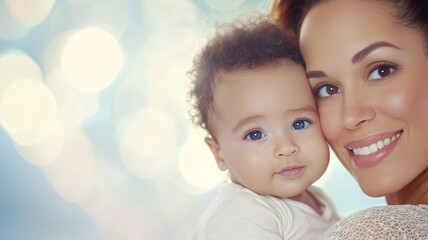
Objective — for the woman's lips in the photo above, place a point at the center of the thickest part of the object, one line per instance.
(291, 171)
(370, 151)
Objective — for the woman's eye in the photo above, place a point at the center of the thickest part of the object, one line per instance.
(327, 90)
(300, 124)
(255, 135)
(381, 71)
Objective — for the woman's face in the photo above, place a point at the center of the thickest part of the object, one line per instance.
(370, 75)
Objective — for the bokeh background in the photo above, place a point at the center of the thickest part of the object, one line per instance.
(95, 139)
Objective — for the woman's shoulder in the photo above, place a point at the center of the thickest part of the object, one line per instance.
(383, 222)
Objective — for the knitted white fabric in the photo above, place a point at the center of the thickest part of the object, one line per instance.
(383, 222)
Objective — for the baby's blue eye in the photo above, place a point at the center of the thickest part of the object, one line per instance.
(300, 124)
(255, 135)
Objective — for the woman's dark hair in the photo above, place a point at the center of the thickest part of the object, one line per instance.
(289, 14)
(246, 43)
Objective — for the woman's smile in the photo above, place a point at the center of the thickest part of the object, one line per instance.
(370, 151)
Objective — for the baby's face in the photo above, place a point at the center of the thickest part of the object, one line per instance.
(267, 129)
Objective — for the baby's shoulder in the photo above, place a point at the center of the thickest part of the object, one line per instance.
(241, 214)
(240, 199)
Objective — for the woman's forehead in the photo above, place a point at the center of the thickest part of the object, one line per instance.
(346, 29)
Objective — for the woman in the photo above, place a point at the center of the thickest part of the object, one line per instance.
(367, 62)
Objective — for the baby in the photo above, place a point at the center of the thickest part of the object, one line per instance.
(251, 94)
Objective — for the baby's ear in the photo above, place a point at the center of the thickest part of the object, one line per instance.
(215, 149)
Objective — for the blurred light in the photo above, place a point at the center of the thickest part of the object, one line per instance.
(175, 206)
(129, 222)
(91, 60)
(224, 5)
(74, 107)
(147, 142)
(112, 15)
(103, 203)
(14, 66)
(169, 83)
(53, 50)
(28, 111)
(29, 12)
(45, 151)
(197, 164)
(178, 208)
(78, 1)
(129, 225)
(10, 29)
(172, 50)
(141, 165)
(178, 12)
(149, 131)
(115, 206)
(72, 174)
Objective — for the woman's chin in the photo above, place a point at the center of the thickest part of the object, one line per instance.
(373, 193)
(377, 188)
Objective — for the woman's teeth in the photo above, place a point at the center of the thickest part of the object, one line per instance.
(375, 146)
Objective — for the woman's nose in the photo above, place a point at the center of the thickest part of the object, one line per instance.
(356, 111)
(286, 148)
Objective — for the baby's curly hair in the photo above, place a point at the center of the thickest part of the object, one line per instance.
(241, 44)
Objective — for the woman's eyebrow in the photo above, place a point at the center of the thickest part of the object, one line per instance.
(367, 50)
(360, 55)
(315, 74)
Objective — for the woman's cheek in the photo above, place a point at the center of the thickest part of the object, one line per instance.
(409, 97)
(407, 102)
(330, 123)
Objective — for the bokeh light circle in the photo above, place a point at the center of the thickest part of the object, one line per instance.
(45, 151)
(148, 142)
(74, 107)
(179, 12)
(28, 111)
(172, 50)
(29, 12)
(91, 60)
(16, 65)
(73, 173)
(197, 165)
